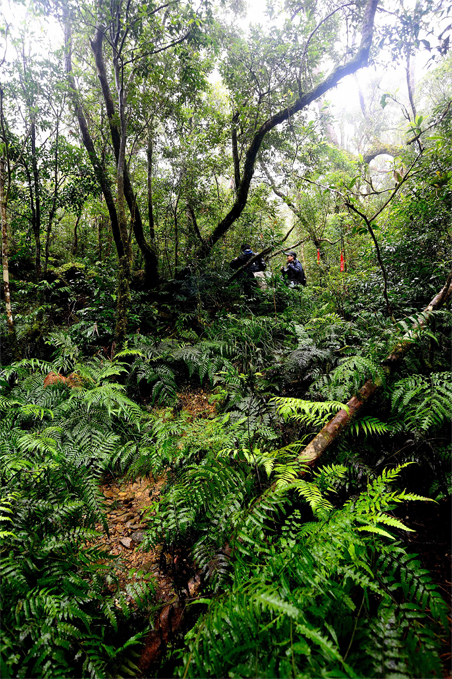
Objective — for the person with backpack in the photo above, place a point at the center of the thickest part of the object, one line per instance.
(245, 255)
(293, 271)
(250, 273)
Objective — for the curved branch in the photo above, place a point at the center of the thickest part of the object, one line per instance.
(349, 4)
(368, 223)
(291, 247)
(355, 63)
(235, 150)
(381, 151)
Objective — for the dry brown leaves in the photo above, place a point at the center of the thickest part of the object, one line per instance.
(127, 503)
(196, 403)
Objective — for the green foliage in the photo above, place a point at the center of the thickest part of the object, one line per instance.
(304, 571)
(348, 377)
(311, 412)
(310, 602)
(370, 426)
(423, 403)
(59, 612)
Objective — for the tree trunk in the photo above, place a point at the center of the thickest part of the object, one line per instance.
(88, 143)
(53, 209)
(123, 301)
(409, 72)
(118, 222)
(34, 223)
(5, 265)
(150, 198)
(75, 243)
(37, 201)
(235, 152)
(149, 254)
(192, 218)
(303, 101)
(99, 237)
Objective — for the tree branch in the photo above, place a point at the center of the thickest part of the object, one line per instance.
(330, 432)
(250, 261)
(355, 63)
(235, 151)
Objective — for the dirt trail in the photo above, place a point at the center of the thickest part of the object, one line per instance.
(128, 508)
(126, 504)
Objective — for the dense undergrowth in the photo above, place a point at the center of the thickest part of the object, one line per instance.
(304, 573)
(302, 576)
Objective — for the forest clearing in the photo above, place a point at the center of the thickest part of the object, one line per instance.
(225, 325)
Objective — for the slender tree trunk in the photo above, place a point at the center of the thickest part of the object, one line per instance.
(53, 209)
(34, 223)
(99, 238)
(176, 233)
(176, 242)
(75, 243)
(88, 143)
(5, 265)
(149, 254)
(37, 197)
(150, 197)
(117, 217)
(409, 71)
(123, 301)
(109, 240)
(192, 218)
(235, 152)
(122, 310)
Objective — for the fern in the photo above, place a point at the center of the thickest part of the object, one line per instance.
(207, 358)
(291, 608)
(66, 353)
(424, 403)
(314, 413)
(348, 377)
(59, 617)
(370, 426)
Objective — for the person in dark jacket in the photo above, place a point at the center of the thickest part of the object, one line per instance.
(247, 276)
(245, 255)
(293, 271)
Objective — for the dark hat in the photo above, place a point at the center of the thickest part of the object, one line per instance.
(291, 252)
(245, 246)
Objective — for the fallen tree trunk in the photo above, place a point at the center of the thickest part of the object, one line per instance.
(315, 449)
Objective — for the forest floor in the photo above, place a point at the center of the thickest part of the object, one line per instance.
(128, 503)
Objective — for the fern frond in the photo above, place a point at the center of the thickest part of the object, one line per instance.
(369, 425)
(310, 412)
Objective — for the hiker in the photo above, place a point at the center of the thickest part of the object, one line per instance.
(245, 255)
(293, 271)
(251, 273)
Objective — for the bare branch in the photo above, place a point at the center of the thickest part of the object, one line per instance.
(434, 124)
